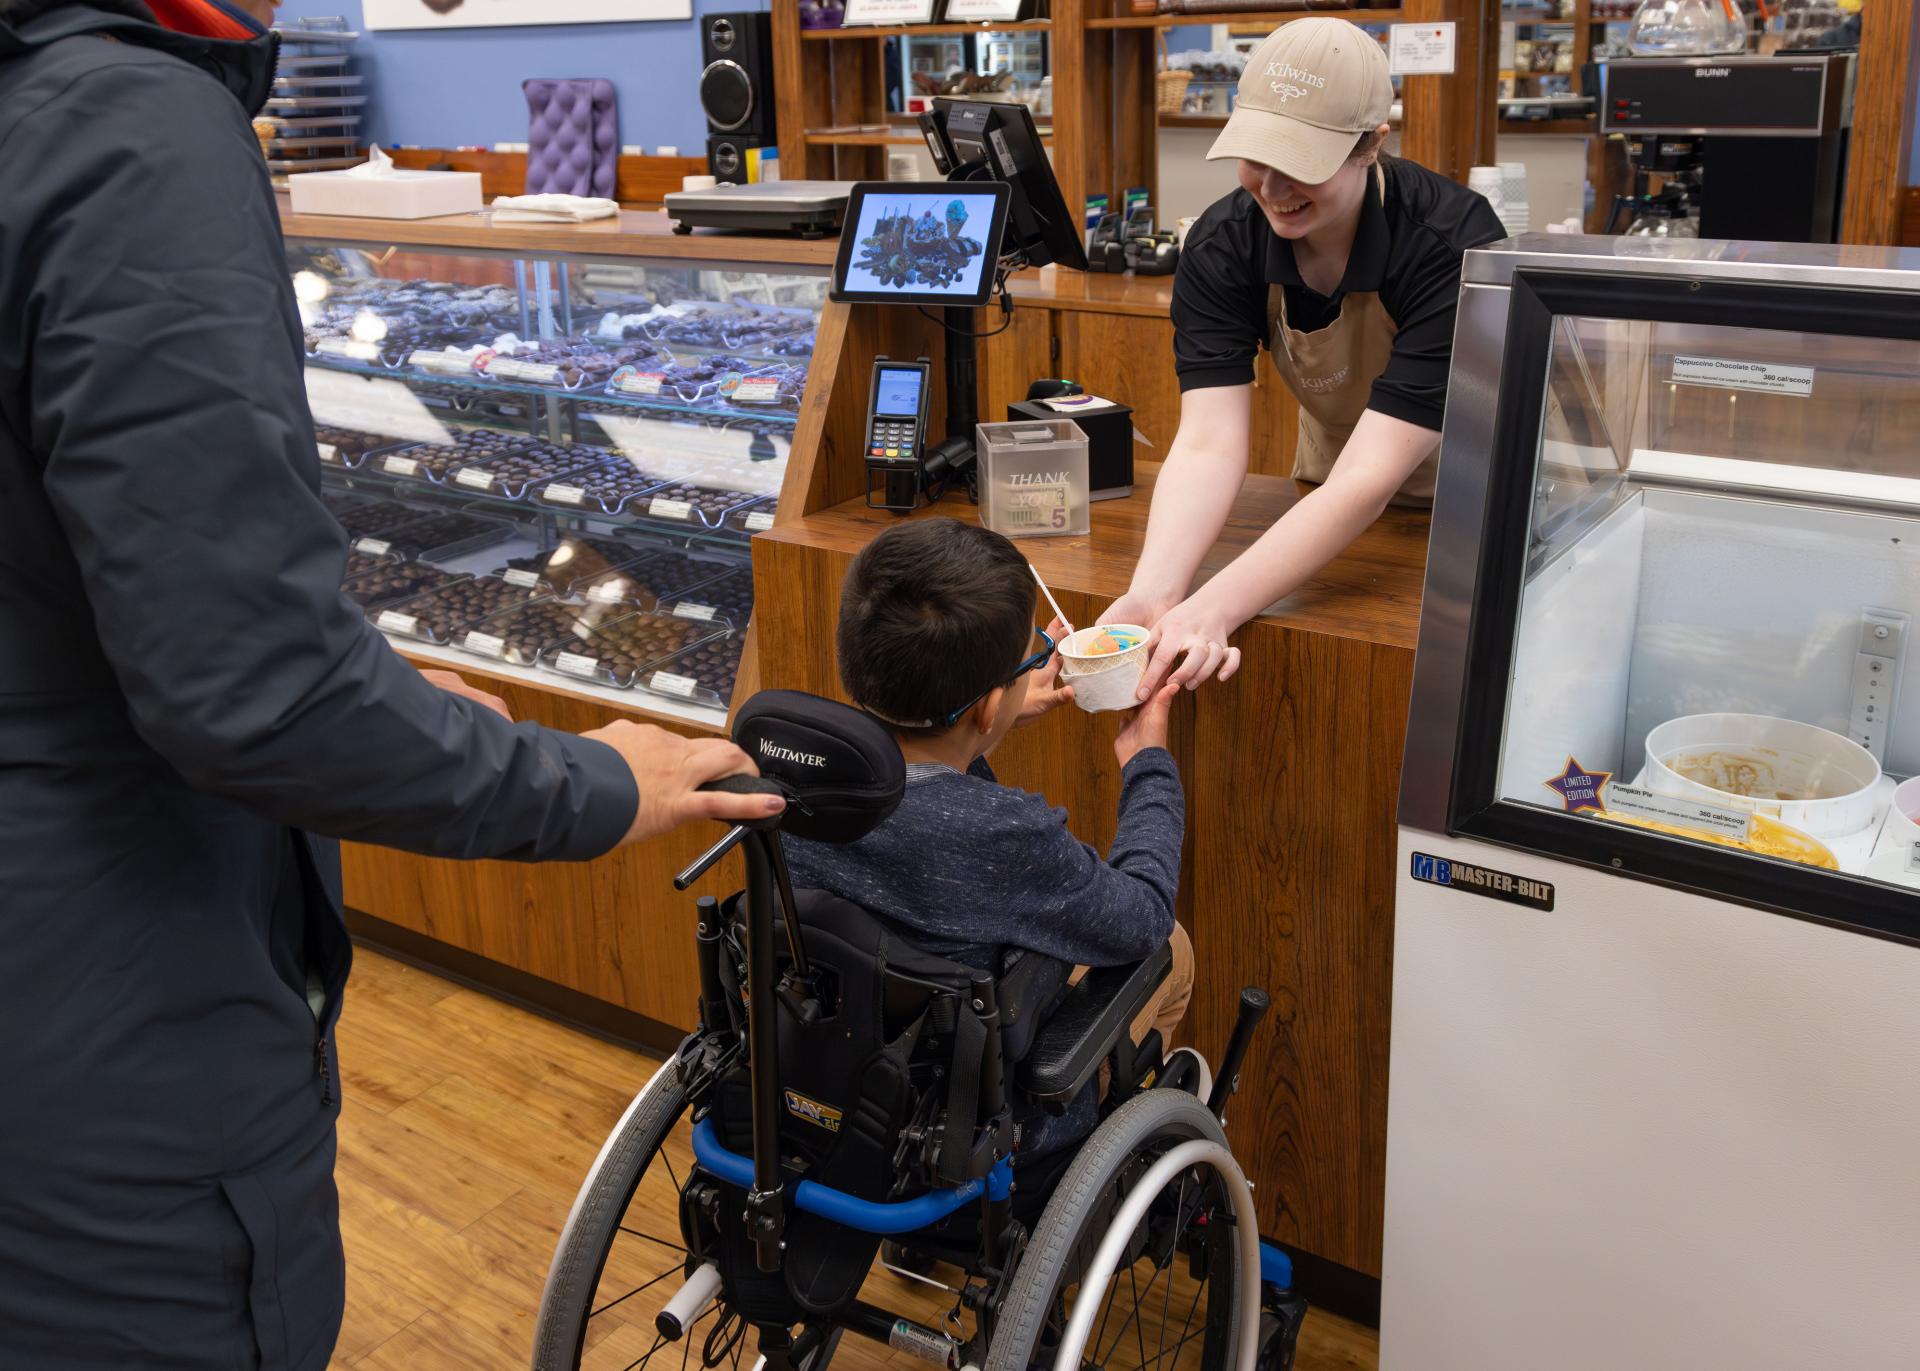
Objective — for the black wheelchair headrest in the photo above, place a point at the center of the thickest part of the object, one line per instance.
(841, 769)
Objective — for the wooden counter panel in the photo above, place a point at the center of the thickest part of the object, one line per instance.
(1295, 776)
(1093, 292)
(612, 928)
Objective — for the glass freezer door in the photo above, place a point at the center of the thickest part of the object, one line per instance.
(1700, 575)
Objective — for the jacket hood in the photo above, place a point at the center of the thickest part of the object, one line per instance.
(244, 66)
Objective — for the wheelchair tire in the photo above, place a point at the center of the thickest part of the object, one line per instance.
(585, 1242)
(1077, 1218)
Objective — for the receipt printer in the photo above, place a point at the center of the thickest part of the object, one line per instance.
(1109, 430)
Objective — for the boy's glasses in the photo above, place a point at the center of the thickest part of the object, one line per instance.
(952, 716)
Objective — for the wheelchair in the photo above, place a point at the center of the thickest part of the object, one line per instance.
(841, 1128)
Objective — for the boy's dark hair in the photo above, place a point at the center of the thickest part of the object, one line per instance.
(933, 613)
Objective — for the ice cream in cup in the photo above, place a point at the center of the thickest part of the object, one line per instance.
(1103, 665)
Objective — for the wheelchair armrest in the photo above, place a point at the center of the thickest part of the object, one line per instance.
(1025, 991)
(1078, 1035)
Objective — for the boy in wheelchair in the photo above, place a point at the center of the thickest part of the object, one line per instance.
(891, 1010)
(937, 640)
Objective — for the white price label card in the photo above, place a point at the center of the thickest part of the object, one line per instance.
(400, 466)
(564, 495)
(1419, 50)
(392, 621)
(1667, 809)
(643, 383)
(1913, 860)
(373, 547)
(507, 369)
(520, 576)
(669, 684)
(686, 609)
(607, 592)
(757, 390)
(329, 453)
(474, 477)
(1734, 375)
(350, 348)
(576, 665)
(760, 520)
(669, 509)
(484, 644)
(441, 363)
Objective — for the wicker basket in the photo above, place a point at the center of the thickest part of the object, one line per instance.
(1170, 87)
(266, 131)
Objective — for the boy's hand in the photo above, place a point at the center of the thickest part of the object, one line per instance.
(1148, 726)
(1045, 692)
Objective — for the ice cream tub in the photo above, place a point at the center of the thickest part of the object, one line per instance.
(1896, 856)
(1807, 777)
(1103, 665)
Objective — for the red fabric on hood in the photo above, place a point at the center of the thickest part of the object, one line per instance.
(201, 19)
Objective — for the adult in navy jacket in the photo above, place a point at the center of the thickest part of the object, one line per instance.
(191, 714)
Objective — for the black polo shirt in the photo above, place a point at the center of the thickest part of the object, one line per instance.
(1407, 248)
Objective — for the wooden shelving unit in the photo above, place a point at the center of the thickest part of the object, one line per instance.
(922, 30)
(1106, 128)
(1271, 18)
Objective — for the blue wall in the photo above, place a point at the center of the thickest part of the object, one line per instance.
(453, 87)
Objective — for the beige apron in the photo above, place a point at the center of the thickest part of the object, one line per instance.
(1331, 373)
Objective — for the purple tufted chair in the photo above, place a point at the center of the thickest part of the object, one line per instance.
(573, 136)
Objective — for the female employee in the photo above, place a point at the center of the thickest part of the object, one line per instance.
(1345, 265)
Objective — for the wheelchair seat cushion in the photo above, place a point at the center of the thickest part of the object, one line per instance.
(841, 769)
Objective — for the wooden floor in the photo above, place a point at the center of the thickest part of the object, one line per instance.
(467, 1127)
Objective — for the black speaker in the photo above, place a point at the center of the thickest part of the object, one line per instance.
(736, 85)
(736, 159)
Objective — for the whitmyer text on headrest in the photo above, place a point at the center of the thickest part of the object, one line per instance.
(774, 752)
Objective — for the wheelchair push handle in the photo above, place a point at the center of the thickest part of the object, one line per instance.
(1254, 1003)
(733, 785)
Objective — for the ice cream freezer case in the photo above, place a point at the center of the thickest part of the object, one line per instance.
(1656, 1017)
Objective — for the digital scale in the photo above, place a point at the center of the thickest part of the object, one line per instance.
(809, 209)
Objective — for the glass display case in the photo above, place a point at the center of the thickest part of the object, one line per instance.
(1675, 571)
(555, 463)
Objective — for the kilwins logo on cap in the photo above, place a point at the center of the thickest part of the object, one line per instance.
(1285, 87)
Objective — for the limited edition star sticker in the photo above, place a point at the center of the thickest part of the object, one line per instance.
(1579, 788)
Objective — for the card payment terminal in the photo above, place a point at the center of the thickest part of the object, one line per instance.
(896, 432)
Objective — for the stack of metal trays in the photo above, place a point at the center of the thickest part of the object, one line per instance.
(315, 107)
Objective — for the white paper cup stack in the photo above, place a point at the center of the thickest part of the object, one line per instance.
(1491, 182)
(1513, 197)
(1107, 681)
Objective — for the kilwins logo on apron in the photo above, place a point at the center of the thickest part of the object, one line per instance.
(1322, 385)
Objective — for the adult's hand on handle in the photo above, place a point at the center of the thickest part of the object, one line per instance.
(669, 771)
(1189, 646)
(455, 685)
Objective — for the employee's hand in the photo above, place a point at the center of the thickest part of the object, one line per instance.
(1189, 647)
(1136, 608)
(669, 771)
(454, 685)
(1045, 693)
(1148, 726)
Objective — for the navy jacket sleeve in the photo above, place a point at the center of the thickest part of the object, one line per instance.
(166, 399)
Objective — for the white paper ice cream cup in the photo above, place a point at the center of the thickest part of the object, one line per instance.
(1105, 682)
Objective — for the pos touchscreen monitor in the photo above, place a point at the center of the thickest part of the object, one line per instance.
(921, 242)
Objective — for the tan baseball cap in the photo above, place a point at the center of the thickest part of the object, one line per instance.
(1310, 89)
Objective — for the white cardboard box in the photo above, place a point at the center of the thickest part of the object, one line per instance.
(399, 195)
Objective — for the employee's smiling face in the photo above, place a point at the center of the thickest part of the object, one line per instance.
(1296, 208)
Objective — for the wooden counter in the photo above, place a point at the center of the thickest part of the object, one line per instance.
(1292, 772)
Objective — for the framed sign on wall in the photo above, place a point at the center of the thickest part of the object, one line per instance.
(471, 14)
(864, 12)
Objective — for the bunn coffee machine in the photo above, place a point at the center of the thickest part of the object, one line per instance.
(1757, 145)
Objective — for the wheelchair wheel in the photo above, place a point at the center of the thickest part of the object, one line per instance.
(622, 1254)
(1176, 1297)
